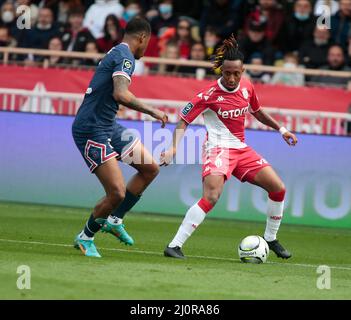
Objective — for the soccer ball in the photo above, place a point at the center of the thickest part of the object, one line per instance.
(253, 249)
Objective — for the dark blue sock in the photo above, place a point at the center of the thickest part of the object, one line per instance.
(128, 203)
(91, 227)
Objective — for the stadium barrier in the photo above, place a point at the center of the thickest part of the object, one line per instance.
(42, 101)
(7, 51)
(43, 165)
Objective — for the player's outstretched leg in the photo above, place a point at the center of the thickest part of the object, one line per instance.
(111, 178)
(270, 181)
(147, 168)
(213, 186)
(193, 218)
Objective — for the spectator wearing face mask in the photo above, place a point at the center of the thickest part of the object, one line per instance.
(132, 9)
(290, 79)
(96, 15)
(165, 19)
(299, 27)
(313, 53)
(113, 34)
(8, 16)
(336, 62)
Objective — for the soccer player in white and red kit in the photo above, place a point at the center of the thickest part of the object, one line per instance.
(224, 106)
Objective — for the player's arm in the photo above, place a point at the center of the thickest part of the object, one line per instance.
(187, 115)
(123, 96)
(178, 133)
(267, 120)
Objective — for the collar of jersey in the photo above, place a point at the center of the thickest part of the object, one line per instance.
(226, 90)
(126, 44)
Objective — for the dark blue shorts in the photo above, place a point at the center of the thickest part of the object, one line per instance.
(101, 146)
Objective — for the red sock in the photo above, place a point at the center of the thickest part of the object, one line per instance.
(205, 205)
(277, 196)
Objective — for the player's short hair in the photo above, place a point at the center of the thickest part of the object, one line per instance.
(138, 25)
(229, 50)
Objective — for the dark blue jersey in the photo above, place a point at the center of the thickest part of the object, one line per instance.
(98, 110)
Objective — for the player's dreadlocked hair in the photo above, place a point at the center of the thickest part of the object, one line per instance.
(229, 50)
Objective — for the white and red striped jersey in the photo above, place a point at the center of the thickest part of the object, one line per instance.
(224, 113)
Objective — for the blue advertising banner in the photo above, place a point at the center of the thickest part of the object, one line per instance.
(39, 163)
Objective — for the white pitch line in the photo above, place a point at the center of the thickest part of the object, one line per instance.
(160, 254)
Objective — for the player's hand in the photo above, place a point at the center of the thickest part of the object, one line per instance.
(161, 116)
(290, 138)
(166, 157)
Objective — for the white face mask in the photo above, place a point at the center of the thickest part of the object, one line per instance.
(210, 43)
(43, 27)
(166, 9)
(289, 65)
(320, 42)
(7, 16)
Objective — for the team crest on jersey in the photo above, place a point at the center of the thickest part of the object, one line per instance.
(187, 108)
(127, 65)
(245, 93)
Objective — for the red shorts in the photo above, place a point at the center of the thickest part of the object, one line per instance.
(241, 163)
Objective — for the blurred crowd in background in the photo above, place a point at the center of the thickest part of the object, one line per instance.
(269, 32)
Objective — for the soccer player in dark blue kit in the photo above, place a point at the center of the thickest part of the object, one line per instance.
(103, 141)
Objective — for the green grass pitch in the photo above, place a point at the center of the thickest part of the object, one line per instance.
(41, 238)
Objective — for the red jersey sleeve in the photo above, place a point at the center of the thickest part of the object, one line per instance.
(193, 109)
(254, 103)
